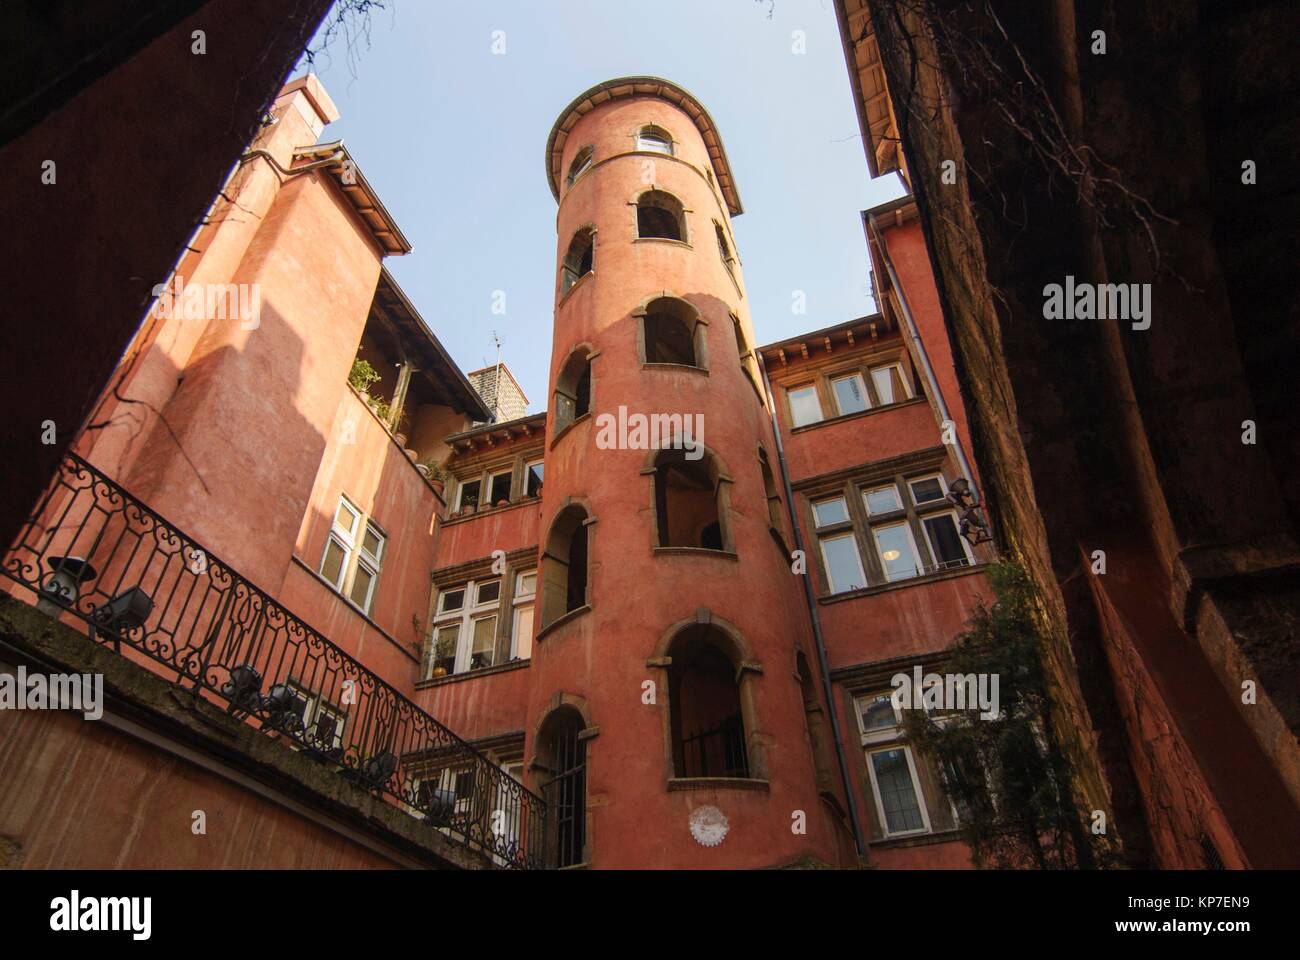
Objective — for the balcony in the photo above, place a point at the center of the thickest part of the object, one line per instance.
(138, 584)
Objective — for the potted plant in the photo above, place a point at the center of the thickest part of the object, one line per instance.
(432, 471)
(362, 376)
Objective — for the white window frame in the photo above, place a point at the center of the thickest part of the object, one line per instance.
(830, 580)
(789, 395)
(923, 504)
(576, 170)
(314, 705)
(471, 612)
(916, 554)
(929, 541)
(491, 483)
(460, 492)
(528, 473)
(898, 498)
(345, 539)
(659, 134)
(817, 520)
(518, 604)
(862, 389)
(371, 562)
(916, 791)
(902, 379)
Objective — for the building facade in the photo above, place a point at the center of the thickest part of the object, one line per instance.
(652, 626)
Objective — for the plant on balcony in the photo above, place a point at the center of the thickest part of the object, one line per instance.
(362, 376)
(1010, 780)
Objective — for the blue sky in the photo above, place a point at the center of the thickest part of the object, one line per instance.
(452, 137)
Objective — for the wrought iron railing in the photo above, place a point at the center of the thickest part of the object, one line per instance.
(159, 598)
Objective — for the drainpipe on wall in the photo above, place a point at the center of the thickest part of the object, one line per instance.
(822, 661)
(919, 350)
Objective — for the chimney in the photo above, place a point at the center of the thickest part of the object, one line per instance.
(499, 391)
(309, 100)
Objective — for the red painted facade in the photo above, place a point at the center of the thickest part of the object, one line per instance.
(623, 628)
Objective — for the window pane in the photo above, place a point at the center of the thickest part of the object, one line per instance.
(882, 500)
(850, 396)
(926, 490)
(372, 542)
(804, 406)
(889, 384)
(842, 565)
(535, 476)
(489, 592)
(830, 511)
(896, 553)
(897, 796)
(526, 584)
(469, 494)
(361, 587)
(655, 143)
(877, 712)
(524, 632)
(444, 646)
(452, 600)
(945, 541)
(485, 641)
(500, 487)
(346, 518)
(331, 567)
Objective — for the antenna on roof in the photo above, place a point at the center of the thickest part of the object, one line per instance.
(496, 381)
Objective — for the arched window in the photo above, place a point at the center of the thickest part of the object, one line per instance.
(814, 722)
(573, 390)
(562, 763)
(564, 565)
(672, 332)
(578, 262)
(660, 215)
(724, 250)
(581, 163)
(772, 493)
(706, 720)
(689, 502)
(653, 139)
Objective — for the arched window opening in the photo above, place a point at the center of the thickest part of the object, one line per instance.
(772, 492)
(672, 333)
(581, 163)
(707, 720)
(564, 565)
(686, 502)
(578, 262)
(654, 139)
(814, 722)
(723, 248)
(660, 215)
(573, 390)
(562, 763)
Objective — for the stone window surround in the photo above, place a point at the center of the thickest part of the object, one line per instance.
(852, 486)
(820, 378)
(748, 670)
(450, 578)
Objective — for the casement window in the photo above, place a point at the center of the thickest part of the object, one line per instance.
(839, 549)
(580, 165)
(500, 488)
(533, 475)
(897, 551)
(805, 407)
(724, 249)
(465, 629)
(652, 139)
(850, 394)
(891, 386)
(310, 717)
(354, 553)
(892, 532)
(891, 767)
(468, 494)
(880, 500)
(580, 259)
(524, 603)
